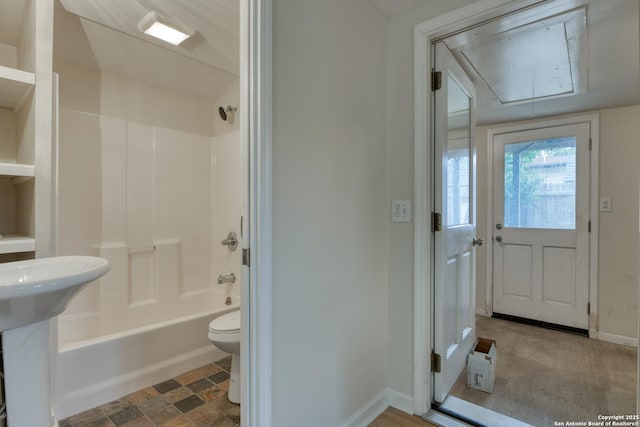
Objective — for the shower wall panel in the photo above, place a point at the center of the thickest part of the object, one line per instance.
(182, 202)
(226, 204)
(155, 202)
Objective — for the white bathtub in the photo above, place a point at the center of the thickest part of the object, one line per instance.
(97, 371)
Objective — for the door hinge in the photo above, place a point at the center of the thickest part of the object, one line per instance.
(246, 257)
(436, 80)
(589, 227)
(435, 362)
(590, 143)
(436, 221)
(588, 308)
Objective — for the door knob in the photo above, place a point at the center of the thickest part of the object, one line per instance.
(478, 242)
(499, 226)
(498, 239)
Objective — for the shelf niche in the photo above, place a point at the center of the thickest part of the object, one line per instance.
(16, 215)
(16, 86)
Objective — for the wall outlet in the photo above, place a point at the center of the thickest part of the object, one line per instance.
(605, 204)
(401, 211)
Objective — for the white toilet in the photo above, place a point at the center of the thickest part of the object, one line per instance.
(224, 333)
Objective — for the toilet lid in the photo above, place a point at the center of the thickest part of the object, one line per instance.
(226, 324)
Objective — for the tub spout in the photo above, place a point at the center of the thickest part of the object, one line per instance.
(229, 278)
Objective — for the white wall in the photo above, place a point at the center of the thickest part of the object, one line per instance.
(329, 210)
(400, 186)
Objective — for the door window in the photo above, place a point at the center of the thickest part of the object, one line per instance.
(458, 186)
(458, 154)
(540, 184)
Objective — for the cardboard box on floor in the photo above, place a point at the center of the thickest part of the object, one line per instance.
(481, 365)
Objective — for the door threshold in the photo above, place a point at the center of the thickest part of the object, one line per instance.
(473, 415)
(444, 420)
(541, 324)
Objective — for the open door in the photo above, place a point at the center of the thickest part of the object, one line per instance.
(453, 221)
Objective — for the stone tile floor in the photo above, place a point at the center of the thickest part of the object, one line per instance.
(196, 398)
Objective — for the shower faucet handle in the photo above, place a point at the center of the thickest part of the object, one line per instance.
(231, 241)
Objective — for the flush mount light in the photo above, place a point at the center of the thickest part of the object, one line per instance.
(161, 27)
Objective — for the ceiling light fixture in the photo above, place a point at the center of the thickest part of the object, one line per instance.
(161, 27)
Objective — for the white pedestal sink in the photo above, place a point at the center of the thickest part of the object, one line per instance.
(31, 292)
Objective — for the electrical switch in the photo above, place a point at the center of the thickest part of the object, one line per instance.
(401, 211)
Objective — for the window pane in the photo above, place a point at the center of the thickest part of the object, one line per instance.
(458, 187)
(458, 154)
(540, 184)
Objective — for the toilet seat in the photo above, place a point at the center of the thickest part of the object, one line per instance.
(226, 324)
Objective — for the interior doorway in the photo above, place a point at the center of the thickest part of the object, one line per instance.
(506, 107)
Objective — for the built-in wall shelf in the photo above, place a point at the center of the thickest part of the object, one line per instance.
(17, 170)
(15, 87)
(12, 243)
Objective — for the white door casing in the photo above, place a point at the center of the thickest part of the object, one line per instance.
(454, 257)
(255, 133)
(540, 228)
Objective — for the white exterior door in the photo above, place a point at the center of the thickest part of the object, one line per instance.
(454, 236)
(541, 220)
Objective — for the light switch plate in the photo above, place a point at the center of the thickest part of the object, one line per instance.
(401, 211)
(605, 204)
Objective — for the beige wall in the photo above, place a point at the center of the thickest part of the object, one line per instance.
(618, 251)
(329, 210)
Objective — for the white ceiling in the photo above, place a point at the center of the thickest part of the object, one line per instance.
(545, 58)
(103, 35)
(217, 24)
(605, 64)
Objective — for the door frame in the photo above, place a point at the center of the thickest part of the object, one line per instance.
(255, 136)
(424, 35)
(593, 119)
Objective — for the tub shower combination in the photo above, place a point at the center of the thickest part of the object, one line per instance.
(157, 203)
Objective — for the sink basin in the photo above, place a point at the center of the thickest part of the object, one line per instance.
(37, 289)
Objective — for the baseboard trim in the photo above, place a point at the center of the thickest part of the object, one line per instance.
(73, 401)
(369, 412)
(481, 312)
(617, 339)
(400, 401)
(376, 406)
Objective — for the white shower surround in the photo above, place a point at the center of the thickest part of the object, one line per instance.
(156, 202)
